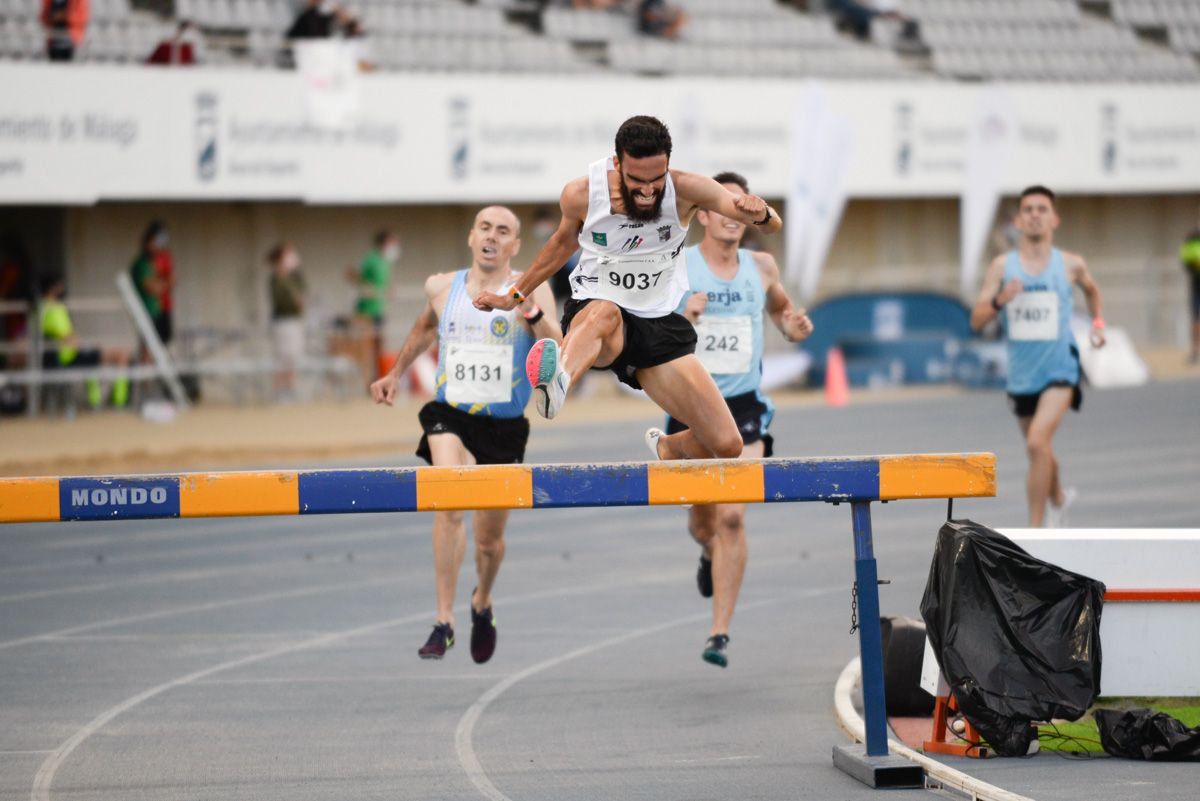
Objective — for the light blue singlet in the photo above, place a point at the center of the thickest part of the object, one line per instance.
(462, 323)
(1047, 353)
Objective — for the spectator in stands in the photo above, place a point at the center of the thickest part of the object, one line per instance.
(184, 47)
(1189, 256)
(855, 16)
(65, 21)
(288, 295)
(318, 20)
(372, 278)
(153, 275)
(657, 18)
(599, 5)
(62, 345)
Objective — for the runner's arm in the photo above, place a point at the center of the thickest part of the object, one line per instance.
(547, 326)
(791, 321)
(984, 310)
(421, 336)
(1082, 278)
(703, 192)
(554, 254)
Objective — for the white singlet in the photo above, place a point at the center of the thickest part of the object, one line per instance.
(637, 265)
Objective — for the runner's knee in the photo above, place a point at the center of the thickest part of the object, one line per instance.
(731, 520)
(450, 518)
(1038, 446)
(727, 444)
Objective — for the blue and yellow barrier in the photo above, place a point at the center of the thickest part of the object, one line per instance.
(425, 489)
(858, 481)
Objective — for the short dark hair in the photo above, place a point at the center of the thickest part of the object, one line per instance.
(152, 231)
(276, 253)
(1037, 189)
(642, 137)
(730, 177)
(382, 236)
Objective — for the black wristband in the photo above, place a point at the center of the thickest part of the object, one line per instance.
(766, 219)
(534, 319)
(995, 303)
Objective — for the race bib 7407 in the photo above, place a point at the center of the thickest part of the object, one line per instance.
(1033, 317)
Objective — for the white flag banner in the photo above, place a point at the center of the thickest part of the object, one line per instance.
(806, 109)
(328, 69)
(990, 141)
(834, 150)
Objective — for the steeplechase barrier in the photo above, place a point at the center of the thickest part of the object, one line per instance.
(857, 481)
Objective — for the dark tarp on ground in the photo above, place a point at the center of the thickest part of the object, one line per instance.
(1017, 638)
(1146, 734)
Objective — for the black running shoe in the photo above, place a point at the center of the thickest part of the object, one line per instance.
(483, 635)
(704, 577)
(714, 650)
(439, 642)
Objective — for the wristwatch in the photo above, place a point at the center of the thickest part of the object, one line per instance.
(766, 219)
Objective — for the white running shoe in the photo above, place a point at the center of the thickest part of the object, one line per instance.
(550, 382)
(1056, 516)
(652, 437)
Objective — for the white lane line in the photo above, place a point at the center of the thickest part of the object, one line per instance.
(43, 751)
(852, 724)
(185, 610)
(465, 733)
(45, 775)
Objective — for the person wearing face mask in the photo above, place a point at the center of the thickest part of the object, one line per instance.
(372, 278)
(478, 416)
(153, 274)
(288, 294)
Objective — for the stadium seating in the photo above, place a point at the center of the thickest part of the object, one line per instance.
(1054, 40)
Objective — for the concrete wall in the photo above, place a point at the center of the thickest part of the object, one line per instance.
(1131, 243)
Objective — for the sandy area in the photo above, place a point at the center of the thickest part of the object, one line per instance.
(215, 436)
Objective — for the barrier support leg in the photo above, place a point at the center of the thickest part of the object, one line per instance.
(871, 764)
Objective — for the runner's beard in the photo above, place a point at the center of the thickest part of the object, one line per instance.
(637, 213)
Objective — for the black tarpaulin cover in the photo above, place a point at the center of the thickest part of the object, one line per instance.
(1146, 734)
(1018, 639)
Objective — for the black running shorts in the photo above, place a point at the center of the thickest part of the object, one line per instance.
(491, 440)
(1026, 405)
(649, 341)
(752, 417)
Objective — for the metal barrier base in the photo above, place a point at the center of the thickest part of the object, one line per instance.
(880, 772)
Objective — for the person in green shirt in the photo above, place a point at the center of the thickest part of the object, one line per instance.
(62, 349)
(372, 278)
(1189, 256)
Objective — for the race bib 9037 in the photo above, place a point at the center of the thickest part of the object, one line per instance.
(638, 282)
(478, 373)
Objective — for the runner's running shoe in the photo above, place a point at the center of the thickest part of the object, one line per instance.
(483, 635)
(550, 382)
(652, 437)
(714, 650)
(1056, 516)
(439, 642)
(704, 577)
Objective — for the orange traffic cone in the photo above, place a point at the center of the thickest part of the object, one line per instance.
(837, 388)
